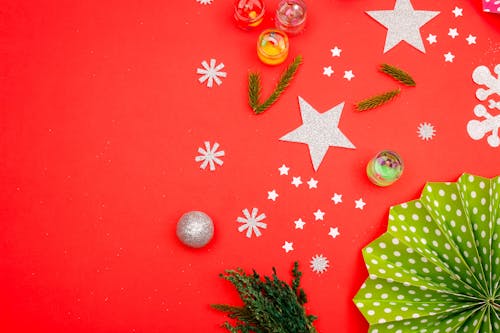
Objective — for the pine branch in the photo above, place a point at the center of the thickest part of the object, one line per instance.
(377, 100)
(398, 74)
(270, 305)
(255, 88)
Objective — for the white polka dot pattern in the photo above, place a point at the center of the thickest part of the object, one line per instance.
(437, 267)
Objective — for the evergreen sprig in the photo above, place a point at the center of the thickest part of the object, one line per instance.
(377, 100)
(270, 305)
(398, 74)
(255, 87)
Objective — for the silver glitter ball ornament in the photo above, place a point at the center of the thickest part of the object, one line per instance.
(195, 229)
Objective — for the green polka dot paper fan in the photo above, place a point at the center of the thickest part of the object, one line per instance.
(437, 267)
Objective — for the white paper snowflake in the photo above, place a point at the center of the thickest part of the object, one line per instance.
(204, 2)
(252, 222)
(489, 121)
(209, 156)
(211, 73)
(319, 264)
(426, 131)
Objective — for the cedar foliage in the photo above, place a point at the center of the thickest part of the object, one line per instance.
(270, 304)
(255, 87)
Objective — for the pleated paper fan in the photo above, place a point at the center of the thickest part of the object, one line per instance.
(437, 267)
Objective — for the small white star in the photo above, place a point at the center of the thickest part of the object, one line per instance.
(360, 203)
(348, 75)
(337, 198)
(296, 181)
(299, 224)
(272, 195)
(328, 71)
(336, 52)
(283, 170)
(318, 215)
(448, 57)
(313, 183)
(334, 232)
(432, 39)
(457, 11)
(453, 32)
(288, 246)
(471, 39)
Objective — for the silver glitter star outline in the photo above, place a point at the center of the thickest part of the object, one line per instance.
(403, 24)
(319, 131)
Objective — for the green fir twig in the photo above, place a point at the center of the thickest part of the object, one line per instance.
(398, 74)
(270, 305)
(377, 100)
(255, 87)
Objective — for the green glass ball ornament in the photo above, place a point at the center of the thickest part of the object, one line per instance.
(195, 229)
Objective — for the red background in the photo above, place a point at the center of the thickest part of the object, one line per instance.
(101, 116)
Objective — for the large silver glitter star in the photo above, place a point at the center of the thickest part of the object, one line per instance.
(319, 131)
(403, 23)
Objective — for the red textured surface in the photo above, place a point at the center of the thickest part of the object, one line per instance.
(101, 118)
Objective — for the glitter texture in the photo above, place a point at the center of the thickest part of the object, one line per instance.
(403, 23)
(319, 131)
(195, 229)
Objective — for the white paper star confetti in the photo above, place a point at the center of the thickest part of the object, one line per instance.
(426, 131)
(252, 222)
(448, 57)
(452, 32)
(403, 24)
(319, 215)
(209, 156)
(204, 2)
(348, 75)
(296, 181)
(337, 198)
(313, 183)
(336, 52)
(327, 71)
(432, 39)
(272, 195)
(288, 246)
(319, 264)
(299, 224)
(211, 73)
(319, 131)
(457, 12)
(283, 170)
(334, 232)
(360, 204)
(471, 39)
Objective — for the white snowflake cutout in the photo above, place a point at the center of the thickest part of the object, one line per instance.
(476, 128)
(426, 131)
(482, 76)
(204, 2)
(211, 73)
(319, 264)
(209, 156)
(251, 222)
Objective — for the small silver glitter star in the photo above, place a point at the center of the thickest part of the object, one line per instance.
(403, 23)
(319, 131)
